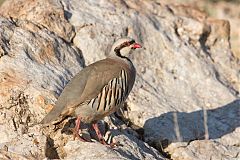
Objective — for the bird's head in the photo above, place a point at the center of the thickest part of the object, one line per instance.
(124, 46)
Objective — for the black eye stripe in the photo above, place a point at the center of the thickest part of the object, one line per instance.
(125, 44)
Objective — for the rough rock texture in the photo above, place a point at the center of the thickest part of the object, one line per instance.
(49, 15)
(35, 64)
(186, 95)
(223, 9)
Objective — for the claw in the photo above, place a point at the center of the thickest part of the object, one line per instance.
(95, 127)
(76, 135)
(99, 135)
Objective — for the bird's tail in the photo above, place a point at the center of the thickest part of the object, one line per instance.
(52, 117)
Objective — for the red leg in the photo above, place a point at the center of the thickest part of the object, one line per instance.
(100, 137)
(76, 130)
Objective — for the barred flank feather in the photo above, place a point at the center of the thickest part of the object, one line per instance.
(113, 94)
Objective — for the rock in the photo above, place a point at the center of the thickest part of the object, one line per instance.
(204, 149)
(129, 148)
(207, 124)
(51, 18)
(35, 65)
(225, 10)
(186, 93)
(83, 150)
(182, 71)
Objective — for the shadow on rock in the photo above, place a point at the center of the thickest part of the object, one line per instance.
(51, 151)
(124, 150)
(186, 127)
(128, 138)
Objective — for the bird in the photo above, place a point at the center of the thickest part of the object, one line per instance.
(98, 90)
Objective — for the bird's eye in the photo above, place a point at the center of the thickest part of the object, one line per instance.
(128, 43)
(132, 41)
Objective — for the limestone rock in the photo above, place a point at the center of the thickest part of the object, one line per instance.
(186, 66)
(35, 65)
(186, 93)
(204, 149)
(45, 14)
(129, 148)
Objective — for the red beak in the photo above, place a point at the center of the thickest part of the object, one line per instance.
(136, 45)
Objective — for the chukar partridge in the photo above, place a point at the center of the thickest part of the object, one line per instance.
(97, 90)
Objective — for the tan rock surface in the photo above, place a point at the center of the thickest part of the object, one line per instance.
(221, 9)
(187, 88)
(45, 14)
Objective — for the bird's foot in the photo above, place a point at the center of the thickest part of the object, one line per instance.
(111, 145)
(101, 139)
(114, 144)
(76, 135)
